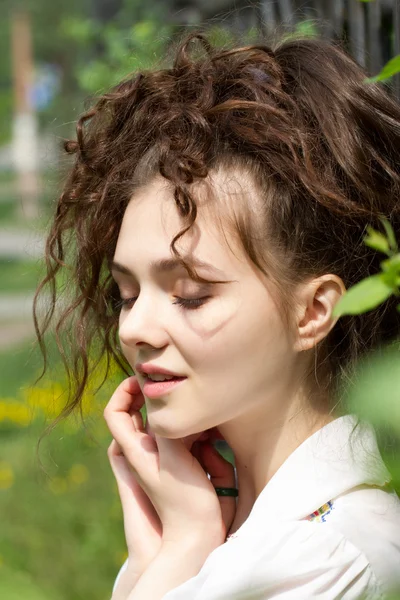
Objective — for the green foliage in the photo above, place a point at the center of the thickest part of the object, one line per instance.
(15, 585)
(63, 536)
(306, 28)
(222, 37)
(6, 110)
(364, 296)
(125, 50)
(391, 68)
(20, 276)
(376, 395)
(377, 240)
(372, 291)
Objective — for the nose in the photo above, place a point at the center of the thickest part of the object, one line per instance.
(143, 323)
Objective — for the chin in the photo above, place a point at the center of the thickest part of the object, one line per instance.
(170, 433)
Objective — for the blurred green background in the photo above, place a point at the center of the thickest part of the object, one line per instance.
(61, 534)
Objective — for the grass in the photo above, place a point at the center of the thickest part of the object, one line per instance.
(8, 211)
(10, 201)
(18, 366)
(15, 585)
(19, 276)
(63, 537)
(10, 216)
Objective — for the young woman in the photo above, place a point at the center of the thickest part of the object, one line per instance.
(215, 213)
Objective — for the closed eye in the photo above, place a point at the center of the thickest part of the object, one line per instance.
(187, 303)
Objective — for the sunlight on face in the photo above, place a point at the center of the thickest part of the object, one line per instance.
(230, 342)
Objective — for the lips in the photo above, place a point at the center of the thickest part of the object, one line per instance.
(149, 369)
(156, 389)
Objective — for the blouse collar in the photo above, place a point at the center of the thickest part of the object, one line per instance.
(332, 461)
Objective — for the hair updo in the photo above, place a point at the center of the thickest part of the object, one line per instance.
(321, 146)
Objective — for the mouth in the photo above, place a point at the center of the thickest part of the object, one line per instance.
(154, 389)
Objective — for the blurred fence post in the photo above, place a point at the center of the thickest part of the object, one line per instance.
(24, 144)
(396, 30)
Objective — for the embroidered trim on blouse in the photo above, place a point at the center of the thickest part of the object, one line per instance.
(321, 513)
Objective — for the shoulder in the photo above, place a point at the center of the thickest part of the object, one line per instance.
(348, 549)
(292, 560)
(305, 559)
(369, 518)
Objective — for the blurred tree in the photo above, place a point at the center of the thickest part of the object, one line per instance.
(6, 98)
(50, 46)
(134, 39)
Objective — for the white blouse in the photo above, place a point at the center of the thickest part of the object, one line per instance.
(326, 526)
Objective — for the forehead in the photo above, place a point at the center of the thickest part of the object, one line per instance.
(151, 221)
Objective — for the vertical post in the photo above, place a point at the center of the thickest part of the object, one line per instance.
(286, 12)
(335, 13)
(357, 31)
(396, 31)
(268, 17)
(25, 147)
(375, 60)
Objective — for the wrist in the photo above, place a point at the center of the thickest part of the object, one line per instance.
(174, 564)
(127, 579)
(190, 548)
(201, 543)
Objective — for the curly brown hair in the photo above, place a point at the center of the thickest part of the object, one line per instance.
(321, 146)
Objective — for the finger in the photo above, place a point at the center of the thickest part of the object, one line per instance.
(222, 474)
(127, 396)
(137, 420)
(221, 471)
(126, 429)
(123, 404)
(195, 450)
(139, 514)
(215, 434)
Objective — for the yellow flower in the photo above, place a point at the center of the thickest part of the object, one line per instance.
(58, 485)
(50, 400)
(16, 412)
(78, 474)
(6, 476)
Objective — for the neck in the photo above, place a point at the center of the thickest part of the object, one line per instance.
(259, 457)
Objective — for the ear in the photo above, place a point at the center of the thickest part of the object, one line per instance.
(316, 301)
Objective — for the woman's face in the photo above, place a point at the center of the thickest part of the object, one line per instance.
(234, 348)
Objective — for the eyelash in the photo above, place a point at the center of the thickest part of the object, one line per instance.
(186, 303)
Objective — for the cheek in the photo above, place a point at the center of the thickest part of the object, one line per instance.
(249, 341)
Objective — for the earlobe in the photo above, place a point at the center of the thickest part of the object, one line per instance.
(317, 300)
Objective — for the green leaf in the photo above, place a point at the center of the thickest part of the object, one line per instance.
(364, 296)
(377, 240)
(78, 29)
(375, 395)
(392, 263)
(391, 68)
(390, 234)
(305, 28)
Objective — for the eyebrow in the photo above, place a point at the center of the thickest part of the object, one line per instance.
(164, 265)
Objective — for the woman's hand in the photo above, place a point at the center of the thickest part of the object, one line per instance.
(142, 526)
(166, 494)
